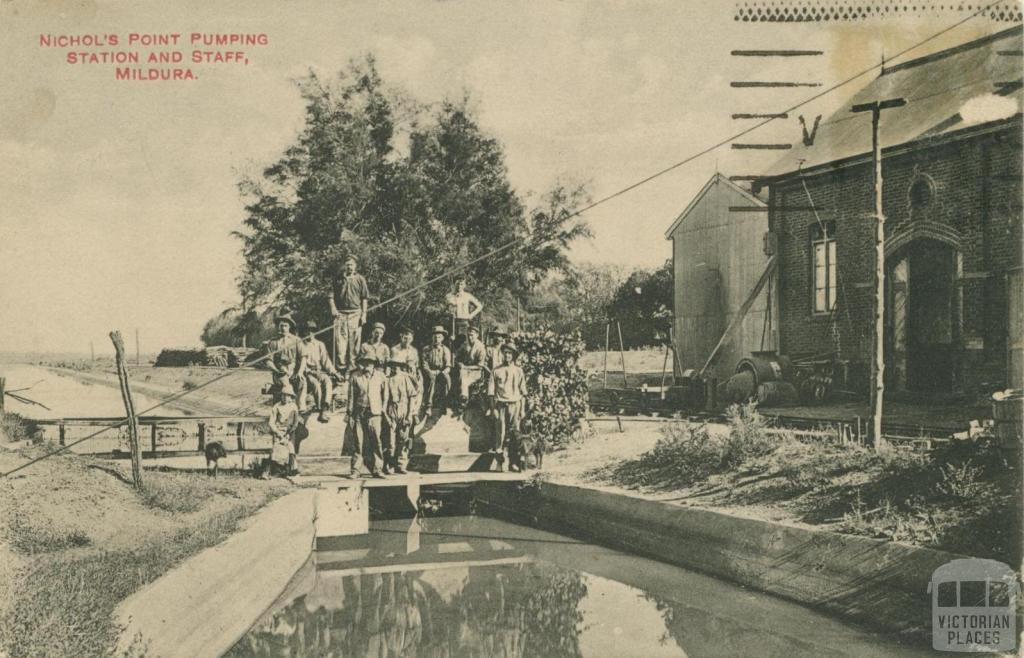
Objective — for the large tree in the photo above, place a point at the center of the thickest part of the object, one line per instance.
(412, 191)
(643, 306)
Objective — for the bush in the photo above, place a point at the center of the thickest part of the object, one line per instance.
(176, 492)
(15, 428)
(556, 385)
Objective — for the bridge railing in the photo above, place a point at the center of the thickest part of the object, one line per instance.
(162, 436)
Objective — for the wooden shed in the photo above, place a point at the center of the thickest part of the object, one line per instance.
(718, 255)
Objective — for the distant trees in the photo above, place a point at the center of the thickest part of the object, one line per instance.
(643, 305)
(412, 191)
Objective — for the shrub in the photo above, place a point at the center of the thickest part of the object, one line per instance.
(961, 482)
(176, 492)
(556, 385)
(747, 437)
(15, 428)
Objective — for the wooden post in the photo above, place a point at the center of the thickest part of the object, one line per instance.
(129, 407)
(878, 362)
(152, 439)
(622, 354)
(62, 434)
(664, 366)
(607, 338)
(138, 353)
(240, 436)
(202, 436)
(3, 385)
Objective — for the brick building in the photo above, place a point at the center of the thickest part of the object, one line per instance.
(952, 199)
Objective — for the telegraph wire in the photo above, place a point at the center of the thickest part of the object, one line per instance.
(515, 241)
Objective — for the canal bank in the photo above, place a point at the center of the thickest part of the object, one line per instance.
(269, 567)
(879, 584)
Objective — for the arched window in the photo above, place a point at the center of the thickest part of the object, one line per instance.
(921, 193)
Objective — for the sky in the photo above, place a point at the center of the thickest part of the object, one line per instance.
(119, 197)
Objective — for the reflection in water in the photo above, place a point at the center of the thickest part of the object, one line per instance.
(454, 595)
(472, 586)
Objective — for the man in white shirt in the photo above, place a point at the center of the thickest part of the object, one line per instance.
(465, 307)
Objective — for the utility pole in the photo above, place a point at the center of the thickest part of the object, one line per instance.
(138, 357)
(878, 360)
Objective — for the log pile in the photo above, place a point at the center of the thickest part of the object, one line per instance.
(217, 355)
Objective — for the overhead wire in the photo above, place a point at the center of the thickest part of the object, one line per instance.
(515, 241)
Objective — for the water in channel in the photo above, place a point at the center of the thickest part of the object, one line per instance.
(473, 586)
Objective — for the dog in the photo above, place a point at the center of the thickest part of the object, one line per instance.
(531, 444)
(214, 452)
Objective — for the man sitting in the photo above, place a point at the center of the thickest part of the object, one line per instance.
(470, 361)
(319, 371)
(286, 359)
(437, 364)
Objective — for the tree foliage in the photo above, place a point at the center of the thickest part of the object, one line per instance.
(412, 191)
(643, 306)
(556, 385)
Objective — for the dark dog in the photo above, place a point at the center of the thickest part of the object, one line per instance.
(214, 452)
(531, 443)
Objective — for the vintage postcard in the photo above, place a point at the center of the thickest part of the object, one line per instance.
(476, 328)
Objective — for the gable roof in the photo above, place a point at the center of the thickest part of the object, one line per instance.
(713, 181)
(940, 89)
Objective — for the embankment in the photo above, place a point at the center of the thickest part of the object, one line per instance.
(880, 584)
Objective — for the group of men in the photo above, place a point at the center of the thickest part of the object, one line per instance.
(391, 388)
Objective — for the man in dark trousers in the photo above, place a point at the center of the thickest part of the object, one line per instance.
(509, 407)
(349, 300)
(319, 371)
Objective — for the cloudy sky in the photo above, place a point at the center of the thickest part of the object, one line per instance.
(119, 196)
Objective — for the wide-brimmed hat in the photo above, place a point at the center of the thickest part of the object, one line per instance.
(474, 328)
(438, 329)
(510, 348)
(351, 259)
(285, 317)
(378, 325)
(366, 358)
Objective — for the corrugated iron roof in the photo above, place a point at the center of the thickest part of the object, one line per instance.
(945, 92)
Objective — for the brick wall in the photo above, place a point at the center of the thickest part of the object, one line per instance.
(977, 192)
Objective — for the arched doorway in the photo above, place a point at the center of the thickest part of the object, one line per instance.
(922, 316)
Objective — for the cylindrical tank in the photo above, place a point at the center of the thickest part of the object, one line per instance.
(767, 367)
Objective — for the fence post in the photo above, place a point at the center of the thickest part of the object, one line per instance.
(129, 407)
(61, 437)
(3, 385)
(152, 439)
(202, 436)
(240, 435)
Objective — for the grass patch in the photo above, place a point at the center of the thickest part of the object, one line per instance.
(64, 605)
(962, 497)
(177, 492)
(15, 428)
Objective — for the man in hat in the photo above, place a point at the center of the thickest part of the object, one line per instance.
(367, 402)
(286, 358)
(470, 361)
(375, 347)
(509, 406)
(496, 337)
(400, 414)
(283, 422)
(319, 371)
(464, 308)
(437, 363)
(349, 299)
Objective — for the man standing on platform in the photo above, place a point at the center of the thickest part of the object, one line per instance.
(319, 371)
(437, 364)
(402, 394)
(286, 359)
(367, 402)
(509, 406)
(376, 348)
(464, 307)
(349, 300)
(470, 361)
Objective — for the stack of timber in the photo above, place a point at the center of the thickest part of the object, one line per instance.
(217, 355)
